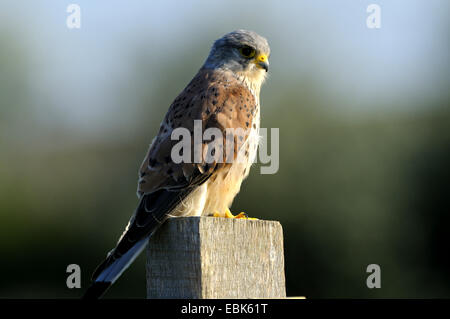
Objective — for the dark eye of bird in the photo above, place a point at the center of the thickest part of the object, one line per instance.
(248, 52)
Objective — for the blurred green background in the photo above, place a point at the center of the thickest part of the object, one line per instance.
(364, 122)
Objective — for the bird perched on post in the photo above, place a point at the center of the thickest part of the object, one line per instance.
(222, 97)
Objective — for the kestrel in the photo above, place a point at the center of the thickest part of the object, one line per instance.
(224, 96)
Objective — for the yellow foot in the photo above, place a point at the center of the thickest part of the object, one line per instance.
(228, 214)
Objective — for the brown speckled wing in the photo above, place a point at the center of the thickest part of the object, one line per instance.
(220, 101)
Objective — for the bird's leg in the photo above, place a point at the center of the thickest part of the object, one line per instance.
(228, 214)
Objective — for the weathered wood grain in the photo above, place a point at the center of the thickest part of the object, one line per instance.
(207, 257)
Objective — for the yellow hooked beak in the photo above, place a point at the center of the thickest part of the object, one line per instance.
(262, 62)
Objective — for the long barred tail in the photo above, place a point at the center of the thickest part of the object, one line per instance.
(110, 270)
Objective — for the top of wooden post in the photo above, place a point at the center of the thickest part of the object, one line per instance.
(208, 257)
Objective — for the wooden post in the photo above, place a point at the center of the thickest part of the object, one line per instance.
(211, 257)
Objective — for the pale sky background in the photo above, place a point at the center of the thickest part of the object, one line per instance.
(83, 72)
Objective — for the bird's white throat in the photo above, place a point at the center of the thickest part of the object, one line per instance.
(253, 80)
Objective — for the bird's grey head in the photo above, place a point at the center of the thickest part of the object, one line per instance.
(243, 52)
